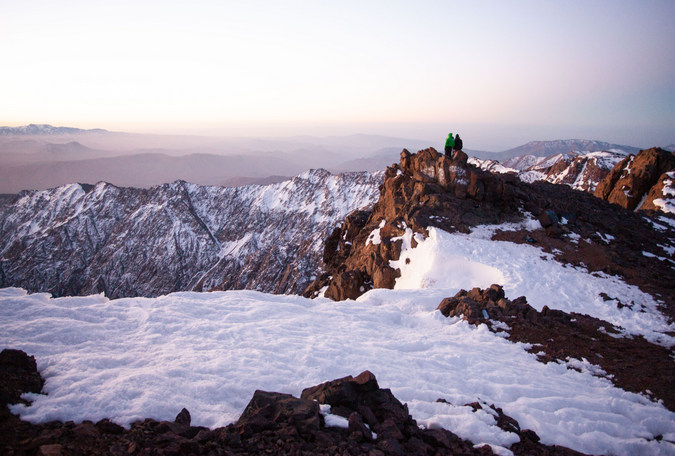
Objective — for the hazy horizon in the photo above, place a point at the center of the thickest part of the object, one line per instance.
(487, 138)
(502, 74)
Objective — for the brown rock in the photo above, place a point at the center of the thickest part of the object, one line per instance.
(632, 179)
(347, 285)
(657, 192)
(266, 410)
(50, 450)
(18, 375)
(385, 277)
(358, 429)
(183, 418)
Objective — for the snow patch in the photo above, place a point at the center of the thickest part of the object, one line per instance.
(374, 236)
(333, 420)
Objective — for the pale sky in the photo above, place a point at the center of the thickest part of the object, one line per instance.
(505, 72)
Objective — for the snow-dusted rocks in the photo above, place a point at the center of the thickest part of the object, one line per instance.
(641, 182)
(564, 146)
(581, 170)
(42, 129)
(145, 242)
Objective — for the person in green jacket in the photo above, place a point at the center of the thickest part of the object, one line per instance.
(449, 145)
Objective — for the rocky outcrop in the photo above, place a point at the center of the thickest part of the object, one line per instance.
(631, 363)
(429, 189)
(19, 375)
(662, 195)
(79, 240)
(375, 423)
(425, 189)
(632, 180)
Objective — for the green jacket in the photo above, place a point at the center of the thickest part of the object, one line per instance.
(450, 142)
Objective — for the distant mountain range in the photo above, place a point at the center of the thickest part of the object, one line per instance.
(43, 156)
(44, 129)
(548, 148)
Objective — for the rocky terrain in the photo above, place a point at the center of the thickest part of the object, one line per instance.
(428, 189)
(351, 415)
(641, 182)
(83, 239)
(556, 336)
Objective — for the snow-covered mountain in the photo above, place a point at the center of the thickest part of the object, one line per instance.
(565, 146)
(43, 129)
(581, 170)
(81, 239)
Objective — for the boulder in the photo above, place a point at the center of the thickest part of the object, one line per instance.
(347, 285)
(267, 410)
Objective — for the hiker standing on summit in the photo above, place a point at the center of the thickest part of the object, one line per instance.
(449, 145)
(458, 142)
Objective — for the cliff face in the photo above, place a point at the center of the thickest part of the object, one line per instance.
(638, 180)
(79, 239)
(429, 189)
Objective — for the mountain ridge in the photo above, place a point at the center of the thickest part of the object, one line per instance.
(45, 129)
(178, 236)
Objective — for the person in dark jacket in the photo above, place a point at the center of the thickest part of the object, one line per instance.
(458, 142)
(449, 145)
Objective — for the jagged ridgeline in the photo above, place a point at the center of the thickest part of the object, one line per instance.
(82, 239)
(428, 189)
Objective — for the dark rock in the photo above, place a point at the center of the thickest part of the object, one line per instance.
(18, 375)
(183, 418)
(108, 427)
(358, 429)
(51, 450)
(347, 285)
(268, 410)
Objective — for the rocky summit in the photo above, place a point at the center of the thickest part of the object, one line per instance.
(428, 189)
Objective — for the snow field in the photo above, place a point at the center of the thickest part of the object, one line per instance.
(449, 261)
(133, 358)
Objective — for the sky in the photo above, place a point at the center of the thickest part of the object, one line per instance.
(502, 72)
